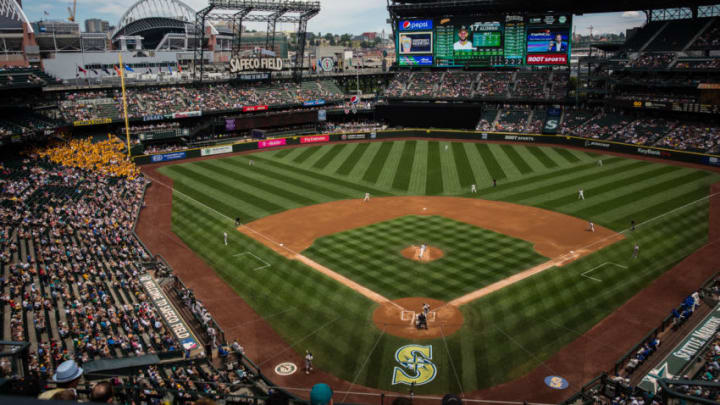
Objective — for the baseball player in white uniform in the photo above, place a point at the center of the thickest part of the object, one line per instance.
(308, 361)
(473, 188)
(367, 197)
(422, 251)
(581, 194)
(225, 237)
(592, 226)
(446, 148)
(600, 163)
(636, 251)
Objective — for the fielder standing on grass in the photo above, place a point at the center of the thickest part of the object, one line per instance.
(473, 188)
(581, 194)
(225, 237)
(636, 251)
(367, 197)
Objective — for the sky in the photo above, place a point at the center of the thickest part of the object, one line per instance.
(337, 16)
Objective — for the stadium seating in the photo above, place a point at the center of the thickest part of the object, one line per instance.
(531, 85)
(493, 84)
(698, 137)
(710, 39)
(676, 35)
(602, 125)
(456, 85)
(644, 131)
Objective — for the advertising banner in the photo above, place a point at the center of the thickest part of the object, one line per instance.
(415, 25)
(253, 108)
(94, 121)
(416, 60)
(155, 117)
(229, 125)
(219, 150)
(167, 311)
(548, 59)
(684, 352)
(187, 114)
(315, 139)
(312, 103)
(168, 156)
(351, 137)
(272, 143)
(416, 43)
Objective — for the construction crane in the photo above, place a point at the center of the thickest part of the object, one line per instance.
(72, 11)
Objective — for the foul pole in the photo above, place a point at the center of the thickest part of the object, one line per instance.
(124, 98)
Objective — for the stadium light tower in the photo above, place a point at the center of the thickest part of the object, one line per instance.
(268, 11)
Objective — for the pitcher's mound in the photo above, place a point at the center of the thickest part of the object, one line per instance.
(397, 318)
(430, 254)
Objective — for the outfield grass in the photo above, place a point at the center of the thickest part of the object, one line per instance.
(507, 333)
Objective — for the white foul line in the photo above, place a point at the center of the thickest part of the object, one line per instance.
(597, 267)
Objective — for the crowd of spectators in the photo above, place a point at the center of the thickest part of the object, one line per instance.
(424, 84)
(513, 119)
(167, 100)
(456, 85)
(353, 126)
(479, 85)
(699, 137)
(136, 129)
(105, 157)
(653, 60)
(493, 84)
(709, 39)
(712, 63)
(644, 131)
(69, 282)
(602, 125)
(531, 85)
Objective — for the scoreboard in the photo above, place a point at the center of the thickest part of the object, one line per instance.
(499, 40)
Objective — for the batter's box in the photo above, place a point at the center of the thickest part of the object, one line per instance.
(410, 316)
(263, 264)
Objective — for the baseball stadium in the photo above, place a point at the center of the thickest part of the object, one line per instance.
(482, 205)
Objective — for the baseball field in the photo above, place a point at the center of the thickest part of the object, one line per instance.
(513, 272)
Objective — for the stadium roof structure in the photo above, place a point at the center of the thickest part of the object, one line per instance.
(12, 16)
(420, 8)
(156, 17)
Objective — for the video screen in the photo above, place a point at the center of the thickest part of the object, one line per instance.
(545, 40)
(416, 43)
(469, 42)
(492, 41)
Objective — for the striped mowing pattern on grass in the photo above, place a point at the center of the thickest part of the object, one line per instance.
(474, 257)
(506, 334)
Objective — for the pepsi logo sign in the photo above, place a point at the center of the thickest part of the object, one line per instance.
(416, 25)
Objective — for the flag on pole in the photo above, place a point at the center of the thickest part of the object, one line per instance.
(170, 69)
(80, 69)
(117, 70)
(128, 68)
(107, 72)
(179, 68)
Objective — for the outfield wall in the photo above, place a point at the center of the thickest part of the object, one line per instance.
(595, 145)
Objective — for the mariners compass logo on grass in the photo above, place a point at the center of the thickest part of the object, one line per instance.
(416, 363)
